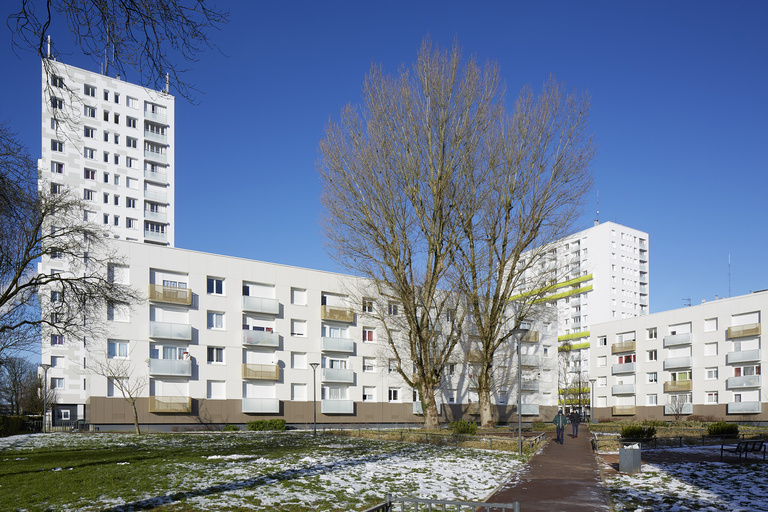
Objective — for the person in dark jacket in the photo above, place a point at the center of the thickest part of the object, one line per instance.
(575, 419)
(560, 422)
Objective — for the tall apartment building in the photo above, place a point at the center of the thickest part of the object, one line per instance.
(703, 360)
(112, 142)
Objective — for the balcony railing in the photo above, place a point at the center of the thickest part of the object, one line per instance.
(157, 196)
(745, 381)
(675, 340)
(160, 158)
(155, 137)
(743, 356)
(623, 368)
(171, 404)
(261, 371)
(156, 216)
(678, 362)
(623, 410)
(530, 386)
(160, 293)
(342, 375)
(623, 389)
(337, 314)
(474, 356)
(744, 407)
(527, 360)
(262, 405)
(532, 336)
(677, 386)
(152, 116)
(261, 305)
(529, 409)
(346, 345)
(622, 347)
(418, 408)
(337, 407)
(740, 331)
(170, 331)
(157, 177)
(261, 339)
(170, 367)
(686, 408)
(155, 236)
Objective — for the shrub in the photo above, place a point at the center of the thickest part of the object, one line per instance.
(464, 427)
(261, 425)
(637, 432)
(231, 428)
(654, 423)
(723, 429)
(10, 425)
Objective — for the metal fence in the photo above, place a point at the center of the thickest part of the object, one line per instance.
(392, 504)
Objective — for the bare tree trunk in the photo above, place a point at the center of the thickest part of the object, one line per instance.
(135, 415)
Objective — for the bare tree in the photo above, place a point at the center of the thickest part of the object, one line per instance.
(149, 38)
(48, 222)
(15, 376)
(120, 374)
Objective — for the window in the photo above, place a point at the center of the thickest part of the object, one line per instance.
(117, 200)
(89, 132)
(106, 115)
(131, 102)
(57, 103)
(57, 296)
(130, 162)
(57, 81)
(711, 374)
(216, 390)
(57, 145)
(117, 117)
(117, 179)
(57, 361)
(106, 177)
(106, 95)
(369, 364)
(117, 349)
(215, 320)
(653, 377)
(89, 174)
(130, 202)
(299, 296)
(652, 334)
(602, 341)
(299, 328)
(394, 394)
(392, 366)
(710, 325)
(130, 122)
(117, 138)
(130, 142)
(106, 198)
(106, 156)
(602, 361)
(57, 339)
(369, 394)
(57, 383)
(367, 306)
(392, 309)
(89, 111)
(653, 400)
(131, 223)
(299, 360)
(88, 195)
(57, 167)
(712, 397)
(57, 188)
(215, 286)
(117, 159)
(215, 355)
(451, 396)
(451, 368)
(89, 90)
(710, 349)
(116, 220)
(117, 97)
(652, 355)
(368, 335)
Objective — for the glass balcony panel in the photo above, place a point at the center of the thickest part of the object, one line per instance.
(261, 305)
(171, 404)
(157, 177)
(677, 386)
(261, 339)
(686, 408)
(747, 381)
(623, 389)
(345, 345)
(261, 405)
(744, 330)
(155, 236)
(624, 410)
(261, 371)
(529, 409)
(532, 336)
(678, 362)
(155, 195)
(528, 360)
(623, 368)
(160, 293)
(170, 331)
(155, 137)
(337, 314)
(342, 375)
(743, 356)
(675, 340)
(152, 116)
(160, 158)
(744, 408)
(170, 367)
(156, 216)
(337, 407)
(624, 346)
(529, 386)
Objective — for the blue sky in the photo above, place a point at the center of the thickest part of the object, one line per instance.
(679, 112)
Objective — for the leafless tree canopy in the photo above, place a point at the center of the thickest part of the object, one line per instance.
(150, 38)
(48, 221)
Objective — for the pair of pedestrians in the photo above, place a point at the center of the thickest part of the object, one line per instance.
(561, 421)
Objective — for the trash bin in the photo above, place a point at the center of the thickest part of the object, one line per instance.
(629, 458)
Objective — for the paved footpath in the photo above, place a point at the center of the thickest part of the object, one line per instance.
(561, 477)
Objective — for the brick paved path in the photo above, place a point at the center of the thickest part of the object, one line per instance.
(561, 478)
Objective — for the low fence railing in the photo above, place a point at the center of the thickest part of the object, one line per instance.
(392, 504)
(610, 441)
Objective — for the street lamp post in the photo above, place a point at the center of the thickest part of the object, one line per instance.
(592, 399)
(45, 367)
(519, 333)
(314, 396)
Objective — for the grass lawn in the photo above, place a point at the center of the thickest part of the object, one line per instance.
(235, 471)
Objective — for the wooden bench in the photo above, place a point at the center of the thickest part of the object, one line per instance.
(744, 448)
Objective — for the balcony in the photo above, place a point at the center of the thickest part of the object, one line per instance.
(529, 409)
(623, 410)
(740, 331)
(622, 368)
(159, 196)
(677, 362)
(171, 404)
(744, 407)
(170, 331)
(157, 177)
(260, 371)
(531, 337)
(261, 405)
(264, 339)
(337, 314)
(678, 386)
(676, 340)
(526, 360)
(744, 382)
(623, 389)
(474, 356)
(160, 158)
(170, 367)
(672, 409)
(153, 116)
(261, 305)
(345, 345)
(622, 347)
(743, 356)
(171, 294)
(337, 407)
(156, 137)
(341, 375)
(156, 216)
(155, 236)
(529, 386)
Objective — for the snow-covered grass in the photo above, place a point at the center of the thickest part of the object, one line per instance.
(689, 486)
(236, 471)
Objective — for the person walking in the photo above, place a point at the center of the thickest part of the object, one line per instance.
(575, 419)
(560, 422)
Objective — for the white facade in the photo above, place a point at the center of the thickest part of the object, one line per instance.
(703, 360)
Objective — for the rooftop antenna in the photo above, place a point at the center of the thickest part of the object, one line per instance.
(597, 214)
(687, 301)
